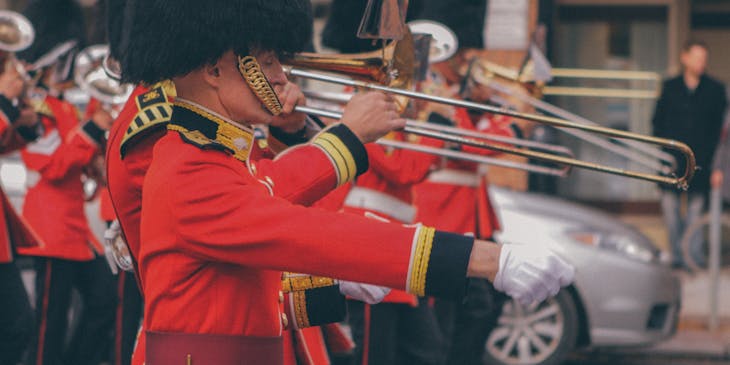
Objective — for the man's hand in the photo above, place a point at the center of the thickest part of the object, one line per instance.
(102, 119)
(372, 115)
(289, 121)
(11, 83)
(530, 273)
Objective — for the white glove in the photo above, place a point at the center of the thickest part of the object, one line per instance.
(115, 249)
(370, 294)
(530, 273)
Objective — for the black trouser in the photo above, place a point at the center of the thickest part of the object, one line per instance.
(129, 315)
(466, 325)
(396, 333)
(16, 315)
(90, 341)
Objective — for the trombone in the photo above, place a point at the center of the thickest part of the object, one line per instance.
(459, 155)
(680, 182)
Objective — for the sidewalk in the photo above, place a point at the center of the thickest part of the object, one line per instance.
(693, 337)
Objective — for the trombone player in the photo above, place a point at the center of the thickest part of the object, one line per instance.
(213, 238)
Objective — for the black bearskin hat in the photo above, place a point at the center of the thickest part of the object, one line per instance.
(55, 22)
(170, 38)
(464, 17)
(115, 19)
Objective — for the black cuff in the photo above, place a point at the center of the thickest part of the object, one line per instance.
(9, 109)
(446, 274)
(437, 118)
(93, 131)
(289, 139)
(325, 305)
(30, 133)
(357, 149)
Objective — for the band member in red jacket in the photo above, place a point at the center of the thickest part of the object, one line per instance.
(17, 127)
(455, 198)
(402, 329)
(54, 203)
(215, 238)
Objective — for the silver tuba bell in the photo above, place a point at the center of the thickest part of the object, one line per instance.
(91, 76)
(16, 31)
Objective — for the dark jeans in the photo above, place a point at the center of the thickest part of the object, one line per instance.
(129, 315)
(91, 341)
(466, 325)
(16, 315)
(397, 333)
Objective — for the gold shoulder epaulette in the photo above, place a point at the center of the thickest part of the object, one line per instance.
(42, 108)
(153, 109)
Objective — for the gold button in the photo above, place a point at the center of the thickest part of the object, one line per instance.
(281, 297)
(284, 321)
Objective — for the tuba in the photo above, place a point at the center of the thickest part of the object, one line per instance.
(91, 76)
(16, 32)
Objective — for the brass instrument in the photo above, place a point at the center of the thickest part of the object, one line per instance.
(389, 68)
(90, 75)
(459, 155)
(343, 98)
(487, 71)
(16, 32)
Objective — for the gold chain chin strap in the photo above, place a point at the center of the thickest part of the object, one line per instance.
(257, 81)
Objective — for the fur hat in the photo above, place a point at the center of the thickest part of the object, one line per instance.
(115, 19)
(464, 17)
(55, 22)
(170, 38)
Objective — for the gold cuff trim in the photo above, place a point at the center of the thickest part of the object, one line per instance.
(299, 301)
(340, 155)
(420, 260)
(291, 284)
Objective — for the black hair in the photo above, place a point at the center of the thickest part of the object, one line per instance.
(694, 43)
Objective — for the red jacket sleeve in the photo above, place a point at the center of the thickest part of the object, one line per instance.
(220, 213)
(304, 178)
(54, 155)
(400, 166)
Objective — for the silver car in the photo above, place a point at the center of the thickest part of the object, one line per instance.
(624, 292)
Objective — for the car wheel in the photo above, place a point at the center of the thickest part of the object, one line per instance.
(541, 333)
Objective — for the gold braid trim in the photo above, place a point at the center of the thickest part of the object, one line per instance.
(238, 140)
(421, 257)
(339, 154)
(291, 284)
(299, 300)
(259, 84)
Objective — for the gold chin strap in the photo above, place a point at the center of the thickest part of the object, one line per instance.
(257, 81)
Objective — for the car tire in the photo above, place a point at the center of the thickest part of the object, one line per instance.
(539, 334)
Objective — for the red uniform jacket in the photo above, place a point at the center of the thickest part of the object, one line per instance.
(393, 172)
(54, 204)
(138, 127)
(216, 239)
(455, 197)
(17, 232)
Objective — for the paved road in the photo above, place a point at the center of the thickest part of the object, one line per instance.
(643, 359)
